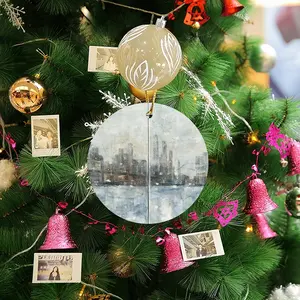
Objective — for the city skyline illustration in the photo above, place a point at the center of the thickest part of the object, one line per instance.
(147, 170)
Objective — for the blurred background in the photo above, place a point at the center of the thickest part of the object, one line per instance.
(278, 23)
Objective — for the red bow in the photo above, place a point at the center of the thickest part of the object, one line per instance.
(194, 13)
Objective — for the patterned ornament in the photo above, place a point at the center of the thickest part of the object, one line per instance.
(58, 233)
(121, 263)
(149, 56)
(129, 146)
(225, 211)
(258, 199)
(196, 15)
(292, 202)
(27, 95)
(173, 260)
(263, 228)
(231, 7)
(7, 174)
(294, 159)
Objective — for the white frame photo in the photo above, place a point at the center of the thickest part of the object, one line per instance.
(200, 245)
(102, 59)
(57, 267)
(45, 135)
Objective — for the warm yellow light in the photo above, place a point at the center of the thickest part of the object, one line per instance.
(252, 138)
(249, 228)
(233, 101)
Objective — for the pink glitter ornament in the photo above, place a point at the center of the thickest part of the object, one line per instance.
(258, 198)
(294, 159)
(224, 211)
(263, 228)
(173, 260)
(58, 233)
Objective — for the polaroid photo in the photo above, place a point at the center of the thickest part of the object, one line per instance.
(45, 135)
(102, 59)
(57, 267)
(201, 245)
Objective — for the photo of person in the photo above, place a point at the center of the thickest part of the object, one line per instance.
(45, 135)
(201, 245)
(54, 275)
(102, 59)
(57, 267)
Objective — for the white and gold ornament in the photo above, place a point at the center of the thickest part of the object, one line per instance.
(149, 56)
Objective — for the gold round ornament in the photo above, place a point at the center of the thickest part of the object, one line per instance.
(142, 95)
(121, 263)
(27, 95)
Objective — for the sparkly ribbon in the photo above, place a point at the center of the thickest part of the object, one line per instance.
(11, 141)
(159, 240)
(195, 11)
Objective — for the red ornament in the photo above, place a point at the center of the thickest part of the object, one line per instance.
(294, 159)
(258, 199)
(173, 260)
(263, 228)
(230, 7)
(58, 233)
(194, 13)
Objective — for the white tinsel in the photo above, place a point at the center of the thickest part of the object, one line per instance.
(114, 101)
(7, 174)
(211, 106)
(290, 292)
(13, 13)
(96, 124)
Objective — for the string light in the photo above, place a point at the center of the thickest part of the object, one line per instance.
(233, 101)
(249, 228)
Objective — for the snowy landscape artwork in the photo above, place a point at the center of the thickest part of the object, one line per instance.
(148, 170)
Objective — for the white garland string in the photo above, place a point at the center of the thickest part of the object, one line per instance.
(102, 290)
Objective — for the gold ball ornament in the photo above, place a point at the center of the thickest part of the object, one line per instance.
(121, 263)
(142, 95)
(27, 95)
(8, 174)
(149, 56)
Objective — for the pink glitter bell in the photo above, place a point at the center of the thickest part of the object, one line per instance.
(58, 233)
(294, 159)
(258, 198)
(263, 228)
(173, 260)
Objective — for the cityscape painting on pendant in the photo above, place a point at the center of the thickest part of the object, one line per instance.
(148, 170)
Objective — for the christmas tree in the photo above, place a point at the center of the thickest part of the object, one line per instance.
(45, 50)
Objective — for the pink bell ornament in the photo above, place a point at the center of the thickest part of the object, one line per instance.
(263, 228)
(294, 159)
(173, 260)
(58, 233)
(258, 199)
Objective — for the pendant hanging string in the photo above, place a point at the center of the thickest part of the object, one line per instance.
(142, 10)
